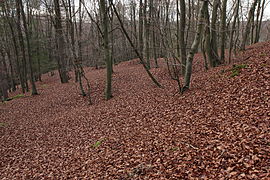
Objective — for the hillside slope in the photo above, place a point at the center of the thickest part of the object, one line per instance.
(219, 129)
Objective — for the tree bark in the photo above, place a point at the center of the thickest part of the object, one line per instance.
(141, 27)
(22, 48)
(236, 10)
(248, 26)
(105, 25)
(210, 56)
(34, 89)
(223, 31)
(60, 43)
(214, 31)
(182, 35)
(194, 46)
(259, 22)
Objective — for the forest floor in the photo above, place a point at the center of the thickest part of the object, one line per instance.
(219, 129)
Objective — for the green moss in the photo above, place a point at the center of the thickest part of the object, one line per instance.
(235, 71)
(97, 144)
(18, 96)
(2, 124)
(222, 71)
(174, 148)
(15, 97)
(262, 54)
(240, 66)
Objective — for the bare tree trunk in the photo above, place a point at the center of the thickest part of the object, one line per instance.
(22, 48)
(223, 31)
(34, 89)
(259, 22)
(141, 28)
(233, 29)
(105, 25)
(248, 26)
(112, 38)
(14, 42)
(4, 69)
(38, 47)
(146, 34)
(60, 43)
(214, 29)
(4, 85)
(12, 74)
(182, 35)
(154, 37)
(210, 56)
(194, 46)
(178, 29)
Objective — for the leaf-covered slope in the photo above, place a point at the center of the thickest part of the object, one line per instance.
(218, 129)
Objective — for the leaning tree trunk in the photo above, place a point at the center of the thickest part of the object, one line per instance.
(194, 46)
(133, 46)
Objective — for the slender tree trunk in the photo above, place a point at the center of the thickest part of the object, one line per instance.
(233, 29)
(178, 29)
(214, 29)
(141, 28)
(190, 16)
(4, 85)
(146, 34)
(194, 46)
(182, 35)
(203, 50)
(259, 22)
(210, 56)
(18, 67)
(60, 43)
(133, 9)
(4, 68)
(154, 38)
(22, 46)
(112, 40)
(248, 26)
(34, 89)
(105, 25)
(38, 48)
(223, 31)
(13, 84)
